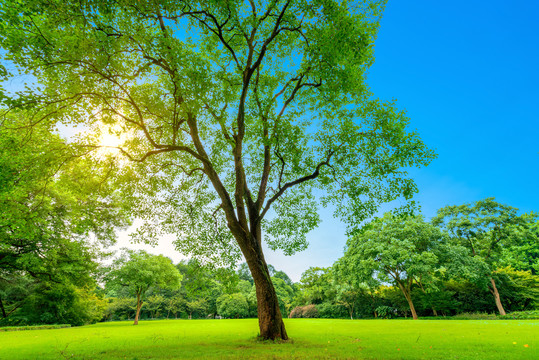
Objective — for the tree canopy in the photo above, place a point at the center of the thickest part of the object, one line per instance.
(486, 228)
(395, 249)
(227, 109)
(138, 271)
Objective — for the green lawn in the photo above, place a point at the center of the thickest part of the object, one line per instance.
(311, 339)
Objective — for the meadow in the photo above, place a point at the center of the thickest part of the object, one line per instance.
(310, 339)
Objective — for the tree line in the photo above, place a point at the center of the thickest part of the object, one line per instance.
(479, 257)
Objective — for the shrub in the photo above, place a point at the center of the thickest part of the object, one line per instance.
(308, 311)
(232, 306)
(522, 315)
(386, 312)
(328, 310)
(34, 327)
(475, 316)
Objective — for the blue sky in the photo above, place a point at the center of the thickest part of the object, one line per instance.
(467, 73)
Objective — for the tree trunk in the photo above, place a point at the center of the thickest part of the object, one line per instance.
(139, 306)
(408, 297)
(2, 308)
(434, 311)
(270, 320)
(496, 294)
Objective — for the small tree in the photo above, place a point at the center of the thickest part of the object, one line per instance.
(196, 305)
(139, 271)
(393, 249)
(484, 228)
(153, 304)
(174, 305)
(233, 306)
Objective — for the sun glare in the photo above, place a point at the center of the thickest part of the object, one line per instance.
(109, 143)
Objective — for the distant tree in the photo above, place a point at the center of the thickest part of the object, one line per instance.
(154, 304)
(138, 271)
(520, 289)
(282, 275)
(485, 228)
(314, 284)
(348, 297)
(394, 249)
(523, 252)
(199, 305)
(244, 273)
(285, 294)
(233, 306)
(175, 305)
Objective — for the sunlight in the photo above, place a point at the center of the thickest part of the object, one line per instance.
(109, 139)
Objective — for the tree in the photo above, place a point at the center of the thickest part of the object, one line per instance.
(393, 249)
(174, 305)
(196, 305)
(484, 228)
(233, 306)
(55, 213)
(227, 109)
(523, 254)
(138, 271)
(153, 304)
(314, 284)
(44, 228)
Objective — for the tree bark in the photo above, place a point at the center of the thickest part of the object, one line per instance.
(270, 319)
(496, 294)
(408, 297)
(2, 308)
(139, 306)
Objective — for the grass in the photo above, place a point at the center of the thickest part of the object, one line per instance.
(311, 339)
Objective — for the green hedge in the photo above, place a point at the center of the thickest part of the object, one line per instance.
(34, 327)
(522, 315)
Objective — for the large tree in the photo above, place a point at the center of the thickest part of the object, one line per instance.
(487, 229)
(54, 211)
(241, 115)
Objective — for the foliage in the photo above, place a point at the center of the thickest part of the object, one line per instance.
(396, 249)
(233, 306)
(228, 110)
(61, 304)
(386, 312)
(522, 315)
(475, 316)
(307, 311)
(314, 283)
(138, 271)
(34, 327)
(485, 228)
(285, 294)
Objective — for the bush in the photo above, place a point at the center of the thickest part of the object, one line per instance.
(309, 311)
(475, 316)
(34, 327)
(386, 312)
(232, 306)
(522, 315)
(328, 310)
